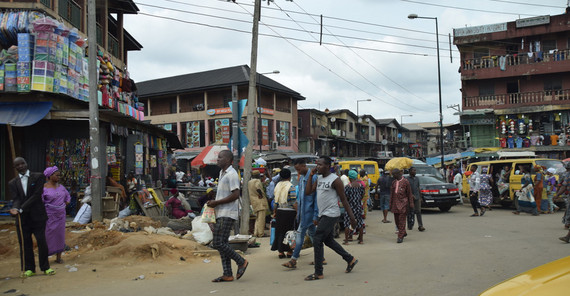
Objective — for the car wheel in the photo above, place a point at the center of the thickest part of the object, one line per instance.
(444, 208)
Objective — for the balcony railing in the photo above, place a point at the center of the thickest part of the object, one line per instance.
(528, 98)
(517, 59)
(113, 45)
(71, 12)
(47, 3)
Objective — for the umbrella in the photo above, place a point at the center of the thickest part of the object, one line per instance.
(398, 163)
(208, 156)
(565, 160)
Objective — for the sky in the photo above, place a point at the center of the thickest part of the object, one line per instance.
(370, 49)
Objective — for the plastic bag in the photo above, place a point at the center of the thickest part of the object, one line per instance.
(208, 215)
(201, 231)
(290, 238)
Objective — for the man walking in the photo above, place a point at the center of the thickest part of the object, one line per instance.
(306, 210)
(383, 191)
(400, 199)
(329, 190)
(227, 212)
(415, 186)
(258, 203)
(26, 190)
(474, 186)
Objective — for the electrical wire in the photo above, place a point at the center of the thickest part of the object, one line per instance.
(529, 4)
(367, 62)
(469, 9)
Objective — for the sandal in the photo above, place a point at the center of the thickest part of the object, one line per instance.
(241, 270)
(386, 221)
(475, 215)
(483, 210)
(281, 256)
(345, 242)
(290, 264)
(360, 242)
(314, 277)
(516, 213)
(351, 265)
(223, 279)
(28, 273)
(49, 272)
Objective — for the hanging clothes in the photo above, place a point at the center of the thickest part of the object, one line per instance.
(502, 63)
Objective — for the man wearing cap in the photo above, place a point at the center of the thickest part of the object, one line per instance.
(258, 203)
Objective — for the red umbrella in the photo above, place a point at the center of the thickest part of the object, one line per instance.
(565, 160)
(208, 156)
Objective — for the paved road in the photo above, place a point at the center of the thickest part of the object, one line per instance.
(457, 255)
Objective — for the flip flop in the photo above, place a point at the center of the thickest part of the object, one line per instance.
(324, 262)
(222, 279)
(313, 277)
(387, 221)
(241, 270)
(290, 264)
(351, 265)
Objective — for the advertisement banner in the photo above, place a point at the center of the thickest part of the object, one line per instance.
(222, 131)
(284, 133)
(193, 134)
(265, 131)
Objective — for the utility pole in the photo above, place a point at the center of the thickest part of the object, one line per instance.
(244, 225)
(94, 151)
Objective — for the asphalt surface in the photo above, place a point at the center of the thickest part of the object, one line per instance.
(456, 255)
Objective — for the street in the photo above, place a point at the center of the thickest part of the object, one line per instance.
(456, 255)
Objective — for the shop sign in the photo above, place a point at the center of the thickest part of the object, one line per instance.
(477, 121)
(211, 112)
(222, 131)
(193, 134)
(468, 31)
(533, 21)
(267, 111)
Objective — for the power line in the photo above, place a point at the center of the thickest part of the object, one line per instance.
(469, 9)
(366, 61)
(529, 4)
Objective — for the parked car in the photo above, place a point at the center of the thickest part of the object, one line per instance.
(549, 279)
(424, 169)
(437, 194)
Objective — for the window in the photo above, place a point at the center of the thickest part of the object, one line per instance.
(71, 12)
(300, 122)
(372, 130)
(173, 106)
(313, 121)
(552, 85)
(294, 132)
(351, 127)
(548, 45)
(486, 89)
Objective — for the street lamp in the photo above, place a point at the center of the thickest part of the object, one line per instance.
(415, 16)
(259, 132)
(358, 101)
(402, 120)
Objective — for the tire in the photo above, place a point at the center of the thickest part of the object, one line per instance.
(444, 208)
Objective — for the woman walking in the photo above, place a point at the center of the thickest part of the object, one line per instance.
(538, 186)
(284, 213)
(55, 198)
(527, 204)
(354, 192)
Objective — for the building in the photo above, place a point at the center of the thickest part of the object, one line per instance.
(196, 107)
(515, 83)
(44, 94)
(418, 140)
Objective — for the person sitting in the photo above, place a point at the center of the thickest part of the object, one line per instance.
(176, 208)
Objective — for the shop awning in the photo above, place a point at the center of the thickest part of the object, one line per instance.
(23, 113)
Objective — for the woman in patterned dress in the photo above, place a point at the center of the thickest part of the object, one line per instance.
(354, 192)
(485, 191)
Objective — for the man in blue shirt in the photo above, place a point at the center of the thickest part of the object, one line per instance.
(307, 210)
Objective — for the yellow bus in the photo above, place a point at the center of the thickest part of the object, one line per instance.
(371, 168)
(494, 168)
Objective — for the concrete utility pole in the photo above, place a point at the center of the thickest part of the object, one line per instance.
(244, 225)
(94, 150)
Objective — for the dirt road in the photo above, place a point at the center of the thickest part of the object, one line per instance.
(456, 255)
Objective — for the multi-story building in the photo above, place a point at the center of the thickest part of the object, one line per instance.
(515, 84)
(196, 107)
(418, 139)
(47, 81)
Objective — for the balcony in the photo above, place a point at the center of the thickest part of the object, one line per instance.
(516, 65)
(505, 101)
(70, 11)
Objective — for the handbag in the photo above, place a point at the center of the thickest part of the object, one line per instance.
(208, 214)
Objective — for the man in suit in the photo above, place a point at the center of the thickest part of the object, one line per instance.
(26, 190)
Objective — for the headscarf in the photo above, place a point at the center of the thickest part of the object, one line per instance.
(551, 170)
(49, 171)
(352, 174)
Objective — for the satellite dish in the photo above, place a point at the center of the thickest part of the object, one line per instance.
(367, 119)
(384, 142)
(333, 119)
(359, 120)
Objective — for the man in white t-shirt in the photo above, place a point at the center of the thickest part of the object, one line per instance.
(227, 212)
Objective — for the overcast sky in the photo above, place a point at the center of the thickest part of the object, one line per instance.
(371, 50)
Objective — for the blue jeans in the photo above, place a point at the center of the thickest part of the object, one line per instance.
(324, 236)
(300, 239)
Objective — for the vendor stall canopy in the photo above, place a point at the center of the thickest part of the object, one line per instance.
(23, 113)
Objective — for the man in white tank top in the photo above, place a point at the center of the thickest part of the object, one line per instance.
(329, 190)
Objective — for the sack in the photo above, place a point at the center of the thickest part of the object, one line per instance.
(208, 215)
(525, 194)
(290, 237)
(84, 214)
(201, 231)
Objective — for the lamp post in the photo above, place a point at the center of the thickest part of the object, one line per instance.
(415, 16)
(259, 128)
(402, 120)
(358, 101)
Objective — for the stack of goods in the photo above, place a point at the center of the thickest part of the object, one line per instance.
(24, 65)
(10, 77)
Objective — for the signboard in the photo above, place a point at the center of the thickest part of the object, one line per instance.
(477, 121)
(284, 133)
(479, 30)
(138, 159)
(265, 111)
(193, 134)
(265, 132)
(211, 112)
(222, 131)
(533, 21)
